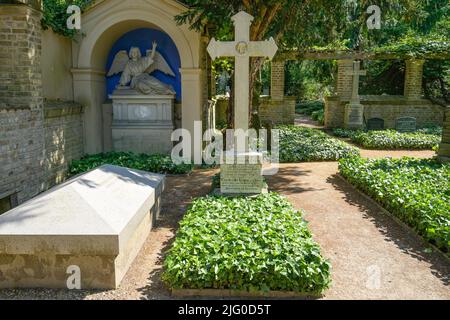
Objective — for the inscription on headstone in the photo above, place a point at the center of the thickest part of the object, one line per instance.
(406, 124)
(375, 124)
(241, 178)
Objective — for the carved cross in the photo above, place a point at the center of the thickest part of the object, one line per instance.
(242, 49)
(356, 73)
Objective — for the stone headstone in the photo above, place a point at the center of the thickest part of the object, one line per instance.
(354, 116)
(96, 222)
(241, 174)
(375, 124)
(406, 124)
(142, 123)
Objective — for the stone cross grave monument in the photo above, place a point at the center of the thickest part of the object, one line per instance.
(241, 170)
(354, 111)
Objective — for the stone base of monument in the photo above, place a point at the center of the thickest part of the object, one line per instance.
(241, 174)
(95, 223)
(354, 116)
(141, 123)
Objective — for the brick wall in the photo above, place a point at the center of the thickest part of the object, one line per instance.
(413, 79)
(277, 80)
(334, 115)
(277, 111)
(344, 83)
(444, 150)
(36, 142)
(21, 102)
(63, 127)
(270, 110)
(389, 108)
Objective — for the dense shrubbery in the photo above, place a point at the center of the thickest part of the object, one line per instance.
(314, 109)
(299, 144)
(151, 163)
(259, 243)
(318, 116)
(309, 107)
(428, 138)
(416, 191)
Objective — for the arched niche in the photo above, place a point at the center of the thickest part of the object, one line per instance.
(143, 38)
(105, 23)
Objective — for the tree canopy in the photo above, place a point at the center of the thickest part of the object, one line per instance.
(414, 28)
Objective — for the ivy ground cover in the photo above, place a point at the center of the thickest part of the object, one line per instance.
(244, 243)
(416, 191)
(391, 139)
(298, 144)
(151, 163)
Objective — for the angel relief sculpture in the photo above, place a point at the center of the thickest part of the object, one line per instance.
(136, 71)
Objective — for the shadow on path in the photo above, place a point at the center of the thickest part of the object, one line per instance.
(407, 241)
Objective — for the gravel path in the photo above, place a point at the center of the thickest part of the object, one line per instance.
(372, 256)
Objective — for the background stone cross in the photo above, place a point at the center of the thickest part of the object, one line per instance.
(242, 49)
(356, 73)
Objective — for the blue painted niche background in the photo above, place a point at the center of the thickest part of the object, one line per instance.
(143, 38)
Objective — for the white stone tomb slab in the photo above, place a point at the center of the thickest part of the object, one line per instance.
(97, 222)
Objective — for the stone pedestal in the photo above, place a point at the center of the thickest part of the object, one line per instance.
(142, 124)
(354, 115)
(241, 173)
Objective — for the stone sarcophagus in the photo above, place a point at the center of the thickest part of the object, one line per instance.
(142, 123)
(86, 231)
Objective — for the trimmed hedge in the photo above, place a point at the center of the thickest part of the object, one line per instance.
(298, 144)
(151, 163)
(416, 191)
(244, 243)
(422, 139)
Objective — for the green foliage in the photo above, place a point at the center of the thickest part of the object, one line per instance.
(55, 16)
(151, 163)
(309, 80)
(319, 116)
(308, 107)
(415, 46)
(415, 191)
(345, 133)
(391, 139)
(254, 244)
(298, 144)
(383, 77)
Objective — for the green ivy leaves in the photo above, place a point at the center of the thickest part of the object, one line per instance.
(299, 144)
(243, 243)
(151, 163)
(416, 191)
(428, 138)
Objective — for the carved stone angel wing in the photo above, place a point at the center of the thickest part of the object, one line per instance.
(120, 61)
(160, 64)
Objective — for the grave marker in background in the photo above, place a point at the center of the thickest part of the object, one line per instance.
(406, 124)
(375, 124)
(354, 111)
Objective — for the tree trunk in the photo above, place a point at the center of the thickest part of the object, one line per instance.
(255, 67)
(230, 111)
